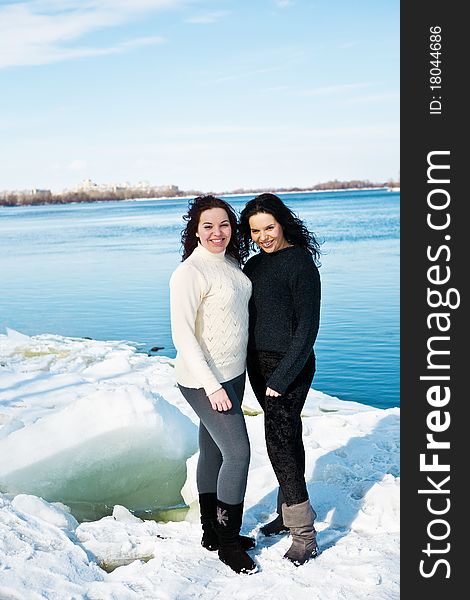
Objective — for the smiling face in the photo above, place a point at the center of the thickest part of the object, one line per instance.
(267, 233)
(214, 230)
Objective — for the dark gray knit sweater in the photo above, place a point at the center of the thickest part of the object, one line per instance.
(284, 309)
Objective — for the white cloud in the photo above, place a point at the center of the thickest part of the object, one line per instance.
(252, 64)
(373, 98)
(143, 41)
(42, 31)
(333, 89)
(248, 73)
(78, 165)
(208, 18)
(284, 3)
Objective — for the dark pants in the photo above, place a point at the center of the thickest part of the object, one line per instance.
(282, 422)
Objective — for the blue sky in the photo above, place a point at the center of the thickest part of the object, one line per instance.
(208, 95)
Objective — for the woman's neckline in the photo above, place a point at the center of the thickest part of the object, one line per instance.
(276, 252)
(207, 254)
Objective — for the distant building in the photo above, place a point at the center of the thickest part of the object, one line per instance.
(123, 189)
(167, 189)
(40, 195)
(87, 184)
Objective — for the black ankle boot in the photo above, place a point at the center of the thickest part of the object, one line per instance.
(229, 520)
(210, 539)
(276, 525)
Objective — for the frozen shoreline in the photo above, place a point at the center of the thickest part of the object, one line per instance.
(189, 197)
(352, 469)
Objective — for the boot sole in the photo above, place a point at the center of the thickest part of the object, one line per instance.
(269, 534)
(243, 571)
(299, 563)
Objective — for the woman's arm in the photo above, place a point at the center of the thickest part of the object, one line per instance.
(186, 293)
(306, 293)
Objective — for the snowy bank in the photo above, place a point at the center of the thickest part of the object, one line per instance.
(93, 422)
(81, 424)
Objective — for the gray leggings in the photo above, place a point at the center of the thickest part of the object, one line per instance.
(224, 448)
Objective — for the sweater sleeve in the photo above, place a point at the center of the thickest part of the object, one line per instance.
(186, 291)
(306, 293)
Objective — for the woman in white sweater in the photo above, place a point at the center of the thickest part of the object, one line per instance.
(209, 297)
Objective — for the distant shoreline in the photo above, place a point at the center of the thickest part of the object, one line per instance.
(229, 195)
(83, 199)
(313, 191)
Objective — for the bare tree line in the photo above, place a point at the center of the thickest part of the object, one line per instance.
(39, 197)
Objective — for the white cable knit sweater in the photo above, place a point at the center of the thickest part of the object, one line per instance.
(209, 297)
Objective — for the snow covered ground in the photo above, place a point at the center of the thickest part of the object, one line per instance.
(89, 425)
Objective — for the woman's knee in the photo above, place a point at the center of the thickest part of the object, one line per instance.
(244, 453)
(238, 453)
(210, 454)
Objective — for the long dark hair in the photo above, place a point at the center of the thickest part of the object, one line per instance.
(198, 205)
(295, 232)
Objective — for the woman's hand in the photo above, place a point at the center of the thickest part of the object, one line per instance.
(270, 392)
(219, 400)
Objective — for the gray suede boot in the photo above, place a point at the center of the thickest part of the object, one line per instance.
(300, 518)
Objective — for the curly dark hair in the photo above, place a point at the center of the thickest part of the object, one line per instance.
(195, 208)
(295, 232)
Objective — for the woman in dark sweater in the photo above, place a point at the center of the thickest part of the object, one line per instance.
(284, 319)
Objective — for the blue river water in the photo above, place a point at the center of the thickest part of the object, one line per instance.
(101, 270)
